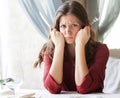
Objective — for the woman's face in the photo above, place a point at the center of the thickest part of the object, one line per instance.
(69, 25)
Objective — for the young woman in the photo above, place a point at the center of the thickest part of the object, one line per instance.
(73, 59)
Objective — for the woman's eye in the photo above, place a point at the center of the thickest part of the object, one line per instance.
(74, 25)
(62, 26)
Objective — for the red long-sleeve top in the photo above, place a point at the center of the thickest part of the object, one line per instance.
(92, 82)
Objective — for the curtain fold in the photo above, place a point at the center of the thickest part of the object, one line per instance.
(108, 12)
(41, 13)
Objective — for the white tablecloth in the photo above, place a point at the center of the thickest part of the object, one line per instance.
(25, 93)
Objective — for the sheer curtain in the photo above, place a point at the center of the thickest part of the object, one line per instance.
(41, 13)
(4, 14)
(0, 60)
(107, 11)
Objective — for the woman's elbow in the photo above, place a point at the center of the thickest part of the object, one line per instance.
(82, 91)
(52, 89)
(88, 90)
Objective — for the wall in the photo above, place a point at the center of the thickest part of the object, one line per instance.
(21, 45)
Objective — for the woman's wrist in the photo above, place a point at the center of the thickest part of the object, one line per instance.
(79, 45)
(59, 45)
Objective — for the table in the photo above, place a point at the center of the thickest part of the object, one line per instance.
(31, 93)
(21, 93)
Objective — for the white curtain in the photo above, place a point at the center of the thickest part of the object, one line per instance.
(0, 58)
(107, 11)
(41, 13)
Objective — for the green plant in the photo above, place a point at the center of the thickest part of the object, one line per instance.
(4, 81)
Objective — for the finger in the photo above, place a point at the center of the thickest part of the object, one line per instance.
(87, 29)
(52, 31)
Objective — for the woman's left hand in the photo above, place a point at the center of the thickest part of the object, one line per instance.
(83, 36)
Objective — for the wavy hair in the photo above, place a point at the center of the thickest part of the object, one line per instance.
(75, 8)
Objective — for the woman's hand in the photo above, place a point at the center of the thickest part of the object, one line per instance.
(56, 69)
(57, 37)
(83, 36)
(81, 69)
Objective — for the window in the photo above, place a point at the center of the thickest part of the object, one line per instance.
(113, 37)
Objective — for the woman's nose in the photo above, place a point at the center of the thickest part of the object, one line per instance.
(68, 30)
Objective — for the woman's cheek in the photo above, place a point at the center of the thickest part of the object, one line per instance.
(76, 33)
(63, 34)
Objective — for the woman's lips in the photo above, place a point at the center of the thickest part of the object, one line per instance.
(68, 38)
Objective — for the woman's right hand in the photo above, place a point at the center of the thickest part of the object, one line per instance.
(57, 37)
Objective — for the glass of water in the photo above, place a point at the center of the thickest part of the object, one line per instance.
(16, 75)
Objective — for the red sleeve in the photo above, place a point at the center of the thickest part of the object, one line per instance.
(49, 83)
(94, 80)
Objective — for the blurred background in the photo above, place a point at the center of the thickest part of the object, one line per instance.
(24, 25)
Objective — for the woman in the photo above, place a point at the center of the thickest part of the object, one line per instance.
(73, 60)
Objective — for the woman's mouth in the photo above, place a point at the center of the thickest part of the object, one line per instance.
(68, 38)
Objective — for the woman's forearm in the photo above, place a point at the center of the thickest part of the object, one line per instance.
(56, 69)
(81, 68)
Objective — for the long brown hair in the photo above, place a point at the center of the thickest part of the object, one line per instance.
(75, 8)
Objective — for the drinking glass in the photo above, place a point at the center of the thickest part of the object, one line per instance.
(16, 75)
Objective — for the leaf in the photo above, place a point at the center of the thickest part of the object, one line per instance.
(9, 80)
(4, 81)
